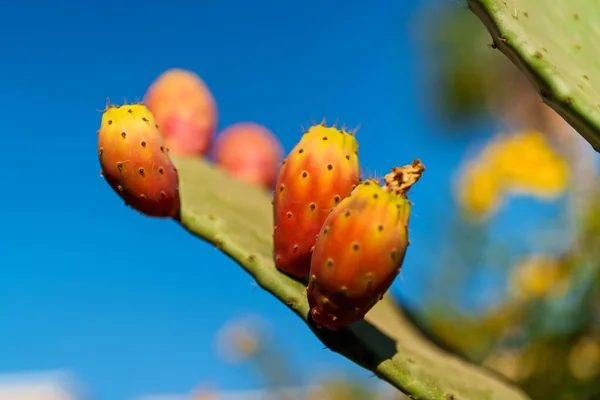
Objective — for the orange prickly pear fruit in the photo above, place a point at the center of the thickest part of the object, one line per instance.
(320, 171)
(360, 249)
(249, 152)
(185, 110)
(135, 161)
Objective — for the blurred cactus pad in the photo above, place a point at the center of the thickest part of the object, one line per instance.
(554, 43)
(238, 219)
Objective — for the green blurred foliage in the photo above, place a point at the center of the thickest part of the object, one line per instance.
(543, 329)
(465, 78)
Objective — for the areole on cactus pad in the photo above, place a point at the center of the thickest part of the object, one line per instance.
(319, 172)
(360, 249)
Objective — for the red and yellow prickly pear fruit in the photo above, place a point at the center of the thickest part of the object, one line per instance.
(135, 161)
(185, 111)
(249, 152)
(360, 249)
(320, 171)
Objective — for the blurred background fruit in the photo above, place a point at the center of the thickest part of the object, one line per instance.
(250, 152)
(185, 111)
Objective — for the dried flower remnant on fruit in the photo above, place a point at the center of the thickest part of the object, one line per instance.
(401, 179)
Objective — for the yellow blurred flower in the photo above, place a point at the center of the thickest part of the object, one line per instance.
(584, 359)
(330, 391)
(240, 339)
(529, 165)
(509, 363)
(538, 276)
(522, 163)
(480, 191)
(204, 394)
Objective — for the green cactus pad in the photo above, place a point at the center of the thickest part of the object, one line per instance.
(555, 43)
(237, 218)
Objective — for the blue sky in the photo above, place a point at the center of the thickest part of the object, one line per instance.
(131, 304)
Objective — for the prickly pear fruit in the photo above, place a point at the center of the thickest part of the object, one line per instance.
(320, 171)
(185, 111)
(135, 161)
(360, 249)
(249, 152)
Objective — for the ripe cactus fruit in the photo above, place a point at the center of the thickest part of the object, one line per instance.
(360, 249)
(135, 161)
(320, 171)
(185, 111)
(249, 152)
